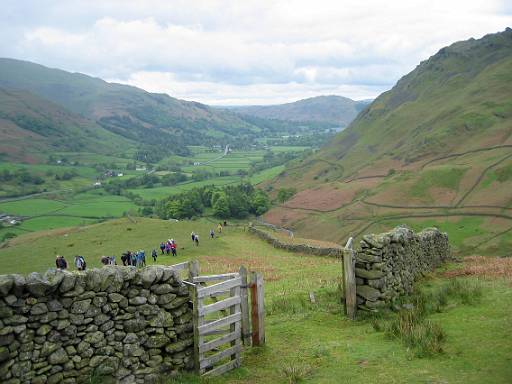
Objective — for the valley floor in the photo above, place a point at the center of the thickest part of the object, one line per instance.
(305, 342)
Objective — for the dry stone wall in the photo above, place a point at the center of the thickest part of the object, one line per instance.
(63, 327)
(387, 264)
(300, 248)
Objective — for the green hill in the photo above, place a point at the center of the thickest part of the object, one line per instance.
(435, 149)
(335, 111)
(31, 125)
(151, 119)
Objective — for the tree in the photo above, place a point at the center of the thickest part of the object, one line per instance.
(260, 203)
(221, 206)
(285, 194)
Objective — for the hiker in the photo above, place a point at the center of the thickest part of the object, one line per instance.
(162, 247)
(212, 233)
(219, 228)
(173, 248)
(141, 258)
(126, 258)
(134, 259)
(80, 263)
(196, 239)
(225, 223)
(193, 235)
(154, 254)
(112, 260)
(168, 247)
(61, 263)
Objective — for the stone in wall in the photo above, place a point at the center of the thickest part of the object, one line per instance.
(387, 264)
(62, 327)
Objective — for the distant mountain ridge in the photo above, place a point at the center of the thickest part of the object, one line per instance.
(336, 110)
(155, 120)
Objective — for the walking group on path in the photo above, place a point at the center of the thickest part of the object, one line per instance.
(138, 258)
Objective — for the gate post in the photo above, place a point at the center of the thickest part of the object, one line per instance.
(349, 280)
(258, 309)
(193, 270)
(244, 306)
(195, 318)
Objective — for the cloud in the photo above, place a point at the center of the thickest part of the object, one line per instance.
(239, 52)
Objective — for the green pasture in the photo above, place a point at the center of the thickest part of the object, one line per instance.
(31, 207)
(161, 192)
(53, 222)
(266, 174)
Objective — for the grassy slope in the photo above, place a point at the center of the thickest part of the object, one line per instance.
(456, 102)
(30, 125)
(314, 339)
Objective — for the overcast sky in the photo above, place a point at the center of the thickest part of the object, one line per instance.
(242, 51)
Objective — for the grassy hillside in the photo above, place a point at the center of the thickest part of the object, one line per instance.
(306, 342)
(337, 111)
(435, 149)
(31, 125)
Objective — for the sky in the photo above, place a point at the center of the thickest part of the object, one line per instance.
(244, 52)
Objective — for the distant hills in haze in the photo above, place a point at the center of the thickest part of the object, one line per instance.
(337, 111)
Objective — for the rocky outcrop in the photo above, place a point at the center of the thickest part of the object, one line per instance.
(387, 264)
(62, 327)
(293, 247)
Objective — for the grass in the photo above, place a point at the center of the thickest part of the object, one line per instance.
(266, 174)
(411, 325)
(446, 177)
(306, 342)
(31, 207)
(53, 222)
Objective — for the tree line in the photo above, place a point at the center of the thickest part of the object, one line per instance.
(232, 201)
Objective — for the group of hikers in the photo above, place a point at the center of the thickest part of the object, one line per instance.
(167, 247)
(138, 258)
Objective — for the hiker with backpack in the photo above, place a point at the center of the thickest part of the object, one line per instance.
(162, 247)
(219, 228)
(212, 233)
(61, 263)
(168, 247)
(154, 255)
(134, 259)
(173, 248)
(80, 263)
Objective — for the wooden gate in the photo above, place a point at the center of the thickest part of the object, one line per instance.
(223, 318)
(217, 323)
